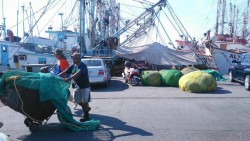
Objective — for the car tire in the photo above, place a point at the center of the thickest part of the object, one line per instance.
(230, 76)
(247, 82)
(106, 84)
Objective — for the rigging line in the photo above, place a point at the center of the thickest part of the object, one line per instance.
(171, 22)
(132, 6)
(174, 15)
(27, 17)
(139, 31)
(149, 38)
(18, 47)
(165, 31)
(128, 13)
(147, 26)
(71, 13)
(49, 6)
(35, 20)
(131, 12)
(151, 3)
(175, 20)
(71, 23)
(53, 16)
(159, 33)
(206, 20)
(21, 46)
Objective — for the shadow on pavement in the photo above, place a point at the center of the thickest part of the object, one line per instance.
(219, 90)
(55, 131)
(114, 85)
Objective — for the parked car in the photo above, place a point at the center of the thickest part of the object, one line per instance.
(99, 73)
(240, 70)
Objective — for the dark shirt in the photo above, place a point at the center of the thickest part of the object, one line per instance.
(82, 80)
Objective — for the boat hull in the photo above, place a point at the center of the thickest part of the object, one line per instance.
(13, 56)
(223, 59)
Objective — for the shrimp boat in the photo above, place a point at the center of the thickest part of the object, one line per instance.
(100, 31)
(227, 47)
(32, 52)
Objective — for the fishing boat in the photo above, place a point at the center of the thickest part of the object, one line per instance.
(101, 30)
(32, 52)
(227, 47)
(22, 53)
(14, 55)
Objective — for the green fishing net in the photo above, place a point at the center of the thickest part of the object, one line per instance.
(150, 78)
(170, 77)
(217, 76)
(50, 88)
(197, 82)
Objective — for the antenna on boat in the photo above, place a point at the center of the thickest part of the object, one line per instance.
(61, 14)
(4, 19)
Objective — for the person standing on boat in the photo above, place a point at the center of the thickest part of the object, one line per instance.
(79, 73)
(62, 62)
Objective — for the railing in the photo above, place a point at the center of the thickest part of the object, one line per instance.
(105, 53)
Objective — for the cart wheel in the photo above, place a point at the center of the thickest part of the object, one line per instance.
(27, 122)
(34, 127)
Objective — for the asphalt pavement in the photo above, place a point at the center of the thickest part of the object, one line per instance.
(139, 113)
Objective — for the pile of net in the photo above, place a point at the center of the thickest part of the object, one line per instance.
(150, 78)
(188, 70)
(197, 81)
(170, 77)
(217, 76)
(50, 88)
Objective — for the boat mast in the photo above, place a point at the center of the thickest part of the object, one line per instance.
(4, 24)
(92, 23)
(223, 16)
(23, 21)
(82, 27)
(31, 28)
(17, 19)
(217, 17)
(231, 19)
(245, 21)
